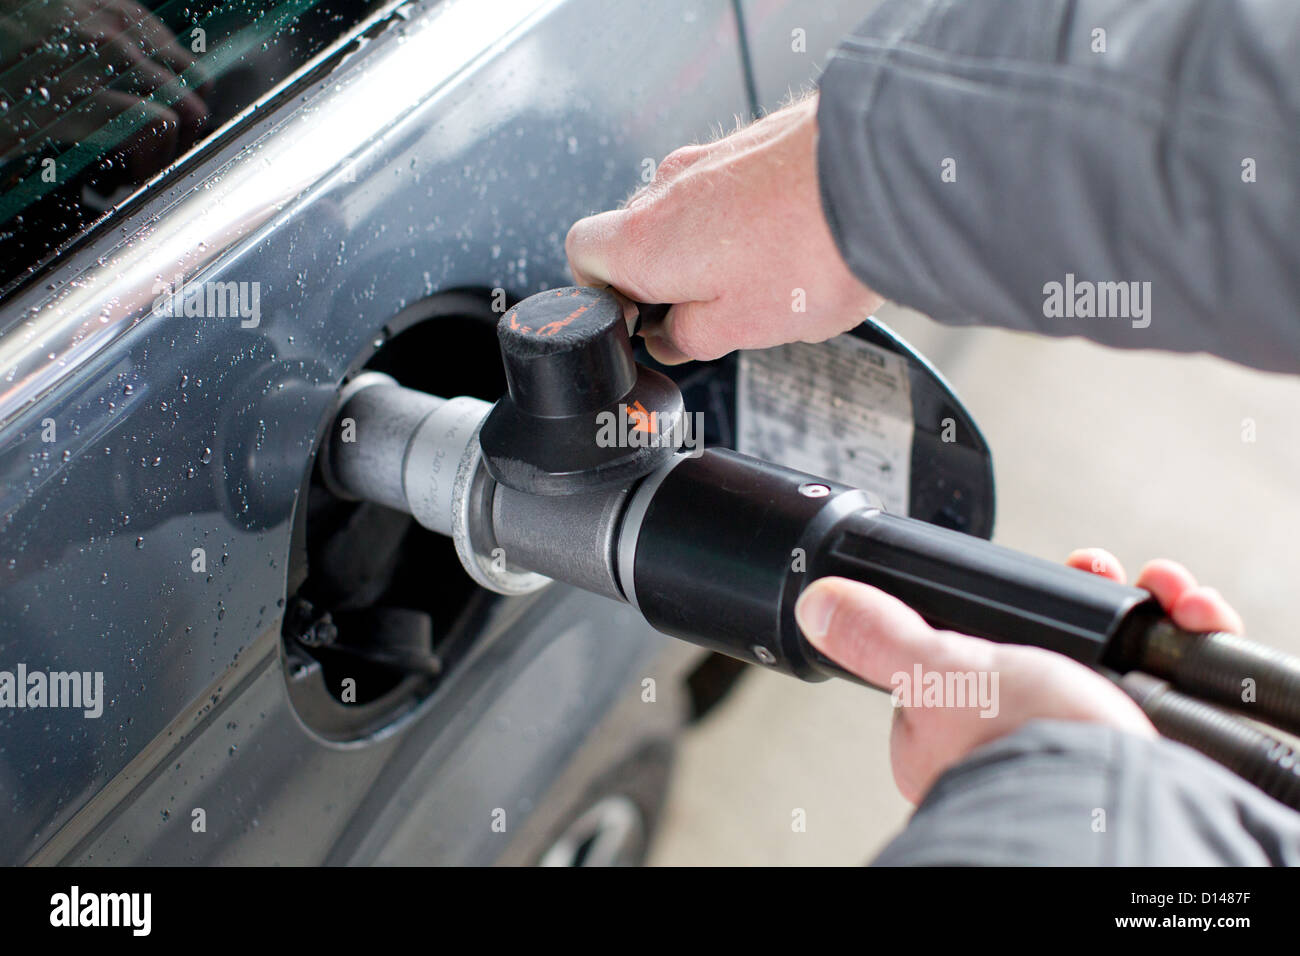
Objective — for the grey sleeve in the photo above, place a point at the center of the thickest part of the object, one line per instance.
(973, 154)
(1059, 793)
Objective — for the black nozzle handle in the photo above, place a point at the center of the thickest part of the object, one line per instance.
(968, 585)
(728, 543)
(961, 583)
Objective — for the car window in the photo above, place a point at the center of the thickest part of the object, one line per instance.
(98, 96)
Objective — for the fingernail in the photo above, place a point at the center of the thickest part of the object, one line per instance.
(814, 609)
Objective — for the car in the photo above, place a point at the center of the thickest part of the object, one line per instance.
(211, 222)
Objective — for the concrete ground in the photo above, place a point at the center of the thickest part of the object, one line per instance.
(1139, 452)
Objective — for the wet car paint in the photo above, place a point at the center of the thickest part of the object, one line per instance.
(176, 433)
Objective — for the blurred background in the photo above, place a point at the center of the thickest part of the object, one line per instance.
(1146, 454)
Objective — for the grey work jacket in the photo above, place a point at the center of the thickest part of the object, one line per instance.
(1124, 170)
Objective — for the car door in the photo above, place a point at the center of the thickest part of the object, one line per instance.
(173, 337)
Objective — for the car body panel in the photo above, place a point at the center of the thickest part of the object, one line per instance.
(450, 149)
(789, 42)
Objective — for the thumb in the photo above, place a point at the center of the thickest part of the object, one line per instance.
(869, 632)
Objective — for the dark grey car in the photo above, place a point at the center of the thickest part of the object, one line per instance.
(190, 275)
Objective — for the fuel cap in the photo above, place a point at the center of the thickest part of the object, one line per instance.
(580, 413)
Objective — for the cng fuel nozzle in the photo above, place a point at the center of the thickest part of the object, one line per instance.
(574, 391)
(714, 547)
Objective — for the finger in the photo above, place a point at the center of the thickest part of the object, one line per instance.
(698, 329)
(596, 248)
(1097, 561)
(1204, 609)
(663, 351)
(602, 251)
(646, 253)
(871, 633)
(582, 278)
(1167, 580)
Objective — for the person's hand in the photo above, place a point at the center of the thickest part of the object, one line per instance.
(878, 637)
(733, 233)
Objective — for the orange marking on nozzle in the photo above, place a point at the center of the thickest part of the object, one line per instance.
(550, 328)
(642, 421)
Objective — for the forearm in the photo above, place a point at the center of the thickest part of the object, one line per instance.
(972, 154)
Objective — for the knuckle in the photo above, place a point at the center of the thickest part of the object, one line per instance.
(639, 228)
(677, 161)
(587, 237)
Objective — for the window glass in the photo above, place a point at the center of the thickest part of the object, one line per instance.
(97, 96)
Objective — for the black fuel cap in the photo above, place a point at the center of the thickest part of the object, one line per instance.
(580, 413)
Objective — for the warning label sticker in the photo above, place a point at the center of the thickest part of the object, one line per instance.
(841, 409)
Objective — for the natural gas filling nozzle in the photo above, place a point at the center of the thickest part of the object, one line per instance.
(585, 473)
